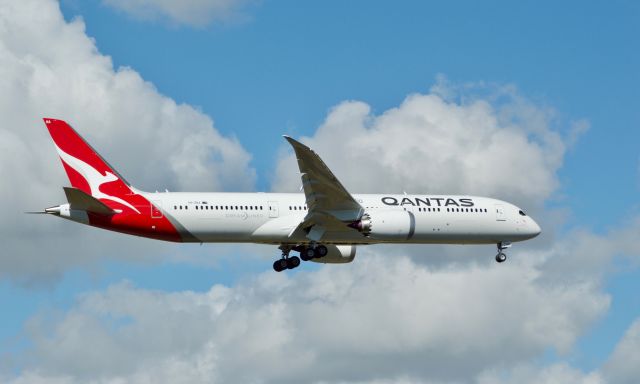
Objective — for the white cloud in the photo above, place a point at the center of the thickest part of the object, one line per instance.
(624, 365)
(382, 319)
(188, 12)
(552, 374)
(379, 319)
(49, 67)
(485, 140)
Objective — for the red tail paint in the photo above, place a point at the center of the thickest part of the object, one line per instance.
(89, 172)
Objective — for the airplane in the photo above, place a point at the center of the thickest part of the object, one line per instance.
(324, 224)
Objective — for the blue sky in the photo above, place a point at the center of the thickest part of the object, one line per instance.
(281, 66)
(289, 64)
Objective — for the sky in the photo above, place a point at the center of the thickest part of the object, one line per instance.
(531, 102)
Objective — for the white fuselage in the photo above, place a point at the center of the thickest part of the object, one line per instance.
(272, 218)
(324, 224)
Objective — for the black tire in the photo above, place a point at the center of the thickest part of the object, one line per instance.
(308, 254)
(293, 262)
(321, 251)
(280, 265)
(303, 255)
(501, 257)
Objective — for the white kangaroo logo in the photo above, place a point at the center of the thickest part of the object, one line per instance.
(93, 177)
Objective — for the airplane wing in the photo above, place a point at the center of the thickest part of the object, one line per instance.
(330, 204)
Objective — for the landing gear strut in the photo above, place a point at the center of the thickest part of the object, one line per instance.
(501, 257)
(286, 261)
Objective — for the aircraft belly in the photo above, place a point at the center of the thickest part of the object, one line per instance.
(456, 230)
(285, 230)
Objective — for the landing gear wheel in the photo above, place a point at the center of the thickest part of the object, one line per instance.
(501, 257)
(308, 254)
(293, 262)
(321, 251)
(280, 265)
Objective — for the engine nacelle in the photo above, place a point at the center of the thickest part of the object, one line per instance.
(387, 225)
(337, 254)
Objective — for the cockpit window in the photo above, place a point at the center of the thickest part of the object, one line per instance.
(521, 212)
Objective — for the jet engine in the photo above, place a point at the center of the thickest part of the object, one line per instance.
(386, 225)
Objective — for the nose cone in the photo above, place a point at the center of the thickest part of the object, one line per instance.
(534, 229)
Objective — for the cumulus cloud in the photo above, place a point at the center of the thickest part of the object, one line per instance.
(196, 13)
(485, 140)
(50, 67)
(376, 320)
(385, 318)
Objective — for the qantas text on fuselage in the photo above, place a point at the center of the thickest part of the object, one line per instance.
(324, 224)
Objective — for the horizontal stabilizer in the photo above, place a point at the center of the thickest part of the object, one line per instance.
(83, 201)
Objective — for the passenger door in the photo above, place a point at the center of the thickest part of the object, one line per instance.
(273, 208)
(500, 215)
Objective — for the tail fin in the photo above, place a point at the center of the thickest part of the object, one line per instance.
(86, 169)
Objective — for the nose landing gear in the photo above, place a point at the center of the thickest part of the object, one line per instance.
(501, 257)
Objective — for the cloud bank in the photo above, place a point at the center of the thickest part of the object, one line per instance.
(445, 141)
(385, 318)
(378, 319)
(51, 68)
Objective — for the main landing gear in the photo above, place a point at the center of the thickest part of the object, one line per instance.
(313, 252)
(307, 253)
(286, 261)
(501, 257)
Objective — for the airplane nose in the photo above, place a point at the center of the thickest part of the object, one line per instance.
(534, 228)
